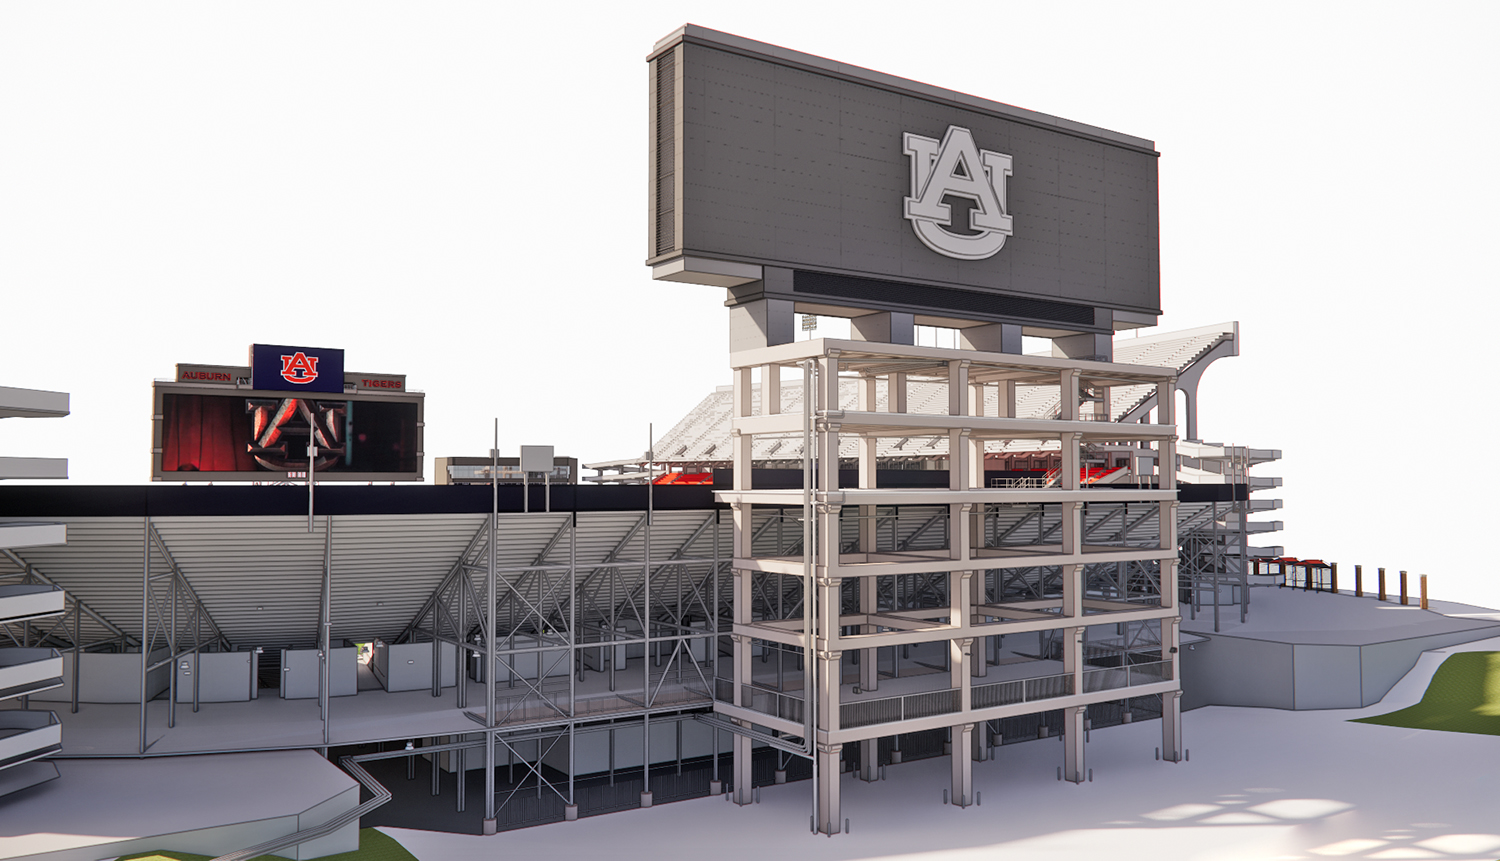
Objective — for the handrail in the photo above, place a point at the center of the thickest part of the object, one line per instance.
(382, 795)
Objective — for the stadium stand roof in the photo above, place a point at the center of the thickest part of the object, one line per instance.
(702, 436)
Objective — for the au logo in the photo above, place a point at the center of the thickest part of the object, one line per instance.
(956, 167)
(299, 368)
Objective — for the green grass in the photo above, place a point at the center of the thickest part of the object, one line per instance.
(1463, 696)
(373, 846)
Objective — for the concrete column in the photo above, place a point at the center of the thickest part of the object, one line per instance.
(761, 323)
(976, 398)
(770, 390)
(979, 653)
(1171, 641)
(1068, 477)
(869, 760)
(1008, 399)
(961, 761)
(991, 338)
(740, 447)
(743, 792)
(958, 459)
(1072, 527)
(1166, 402)
(1068, 394)
(1073, 744)
(958, 387)
(889, 327)
(744, 391)
(979, 749)
(830, 817)
(1171, 726)
(896, 397)
(829, 671)
(869, 667)
(827, 442)
(960, 654)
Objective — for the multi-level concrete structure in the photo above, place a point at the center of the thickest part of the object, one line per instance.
(1011, 560)
(29, 664)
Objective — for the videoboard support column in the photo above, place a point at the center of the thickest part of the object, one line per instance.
(961, 763)
(1171, 702)
(992, 338)
(830, 815)
(1073, 744)
(887, 327)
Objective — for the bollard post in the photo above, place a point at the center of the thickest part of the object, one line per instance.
(1333, 578)
(1403, 588)
(1423, 581)
(1359, 581)
(1381, 594)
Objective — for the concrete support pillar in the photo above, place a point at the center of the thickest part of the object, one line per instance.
(830, 816)
(770, 390)
(958, 387)
(896, 397)
(1068, 468)
(830, 666)
(869, 667)
(960, 653)
(978, 747)
(979, 653)
(961, 762)
(743, 792)
(960, 454)
(991, 338)
(1068, 394)
(1171, 726)
(1073, 744)
(761, 323)
(869, 760)
(1008, 399)
(887, 327)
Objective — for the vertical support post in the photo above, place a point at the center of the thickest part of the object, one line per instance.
(1403, 589)
(1380, 581)
(830, 819)
(172, 651)
(961, 764)
(77, 647)
(489, 640)
(1171, 726)
(1423, 582)
(1073, 744)
(146, 638)
(646, 795)
(1359, 581)
(869, 760)
(325, 625)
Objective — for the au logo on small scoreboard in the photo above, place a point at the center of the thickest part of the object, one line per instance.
(296, 369)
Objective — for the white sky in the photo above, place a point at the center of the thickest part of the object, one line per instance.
(457, 192)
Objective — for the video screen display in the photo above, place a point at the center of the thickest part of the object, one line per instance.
(260, 435)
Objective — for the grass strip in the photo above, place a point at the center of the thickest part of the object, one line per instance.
(1463, 696)
(373, 846)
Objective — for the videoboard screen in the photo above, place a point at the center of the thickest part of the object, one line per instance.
(255, 435)
(864, 185)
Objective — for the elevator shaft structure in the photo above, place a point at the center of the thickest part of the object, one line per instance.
(1020, 560)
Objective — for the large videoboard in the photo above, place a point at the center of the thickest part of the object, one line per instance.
(215, 433)
(811, 179)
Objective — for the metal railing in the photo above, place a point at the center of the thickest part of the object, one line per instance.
(890, 709)
(1021, 691)
(912, 706)
(1129, 675)
(1018, 483)
(763, 700)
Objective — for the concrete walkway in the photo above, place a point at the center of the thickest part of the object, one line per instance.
(1260, 784)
